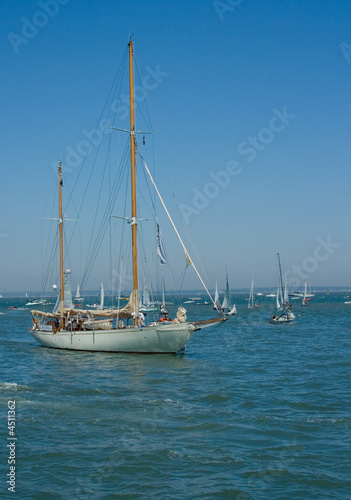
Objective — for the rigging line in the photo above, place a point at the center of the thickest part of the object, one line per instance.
(54, 200)
(98, 240)
(119, 286)
(145, 262)
(181, 283)
(117, 181)
(70, 197)
(51, 262)
(187, 256)
(121, 69)
(191, 241)
(99, 198)
(111, 275)
(153, 202)
(145, 93)
(86, 155)
(149, 190)
(122, 238)
(108, 210)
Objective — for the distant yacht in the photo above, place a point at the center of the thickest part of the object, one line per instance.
(227, 306)
(252, 304)
(286, 316)
(35, 302)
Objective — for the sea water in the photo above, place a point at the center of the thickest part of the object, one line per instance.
(250, 411)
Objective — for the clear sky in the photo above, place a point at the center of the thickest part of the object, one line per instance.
(250, 107)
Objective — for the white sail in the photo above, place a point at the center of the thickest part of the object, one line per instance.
(227, 301)
(304, 298)
(67, 301)
(252, 304)
(286, 316)
(286, 294)
(216, 296)
(163, 303)
(251, 296)
(278, 297)
(102, 296)
(146, 295)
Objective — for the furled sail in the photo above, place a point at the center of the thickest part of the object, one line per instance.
(126, 312)
(160, 248)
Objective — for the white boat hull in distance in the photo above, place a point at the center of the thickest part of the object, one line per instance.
(278, 320)
(158, 339)
(232, 311)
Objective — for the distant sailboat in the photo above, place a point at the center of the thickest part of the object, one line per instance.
(286, 316)
(304, 301)
(163, 308)
(227, 306)
(252, 304)
(78, 300)
(102, 297)
(217, 303)
(145, 304)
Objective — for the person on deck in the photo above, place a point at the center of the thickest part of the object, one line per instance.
(141, 318)
(164, 318)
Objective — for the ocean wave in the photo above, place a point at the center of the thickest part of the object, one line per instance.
(13, 386)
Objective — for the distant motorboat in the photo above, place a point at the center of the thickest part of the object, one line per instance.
(35, 302)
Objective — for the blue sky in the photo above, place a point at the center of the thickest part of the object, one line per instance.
(249, 103)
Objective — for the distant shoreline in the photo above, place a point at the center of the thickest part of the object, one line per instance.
(91, 293)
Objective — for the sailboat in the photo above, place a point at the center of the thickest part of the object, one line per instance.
(69, 328)
(35, 302)
(217, 303)
(286, 316)
(227, 306)
(252, 304)
(78, 300)
(163, 304)
(101, 304)
(279, 299)
(145, 304)
(305, 300)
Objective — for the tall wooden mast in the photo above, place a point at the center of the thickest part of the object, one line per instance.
(62, 293)
(133, 181)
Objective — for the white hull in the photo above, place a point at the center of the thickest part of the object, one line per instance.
(284, 318)
(280, 321)
(232, 312)
(161, 339)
